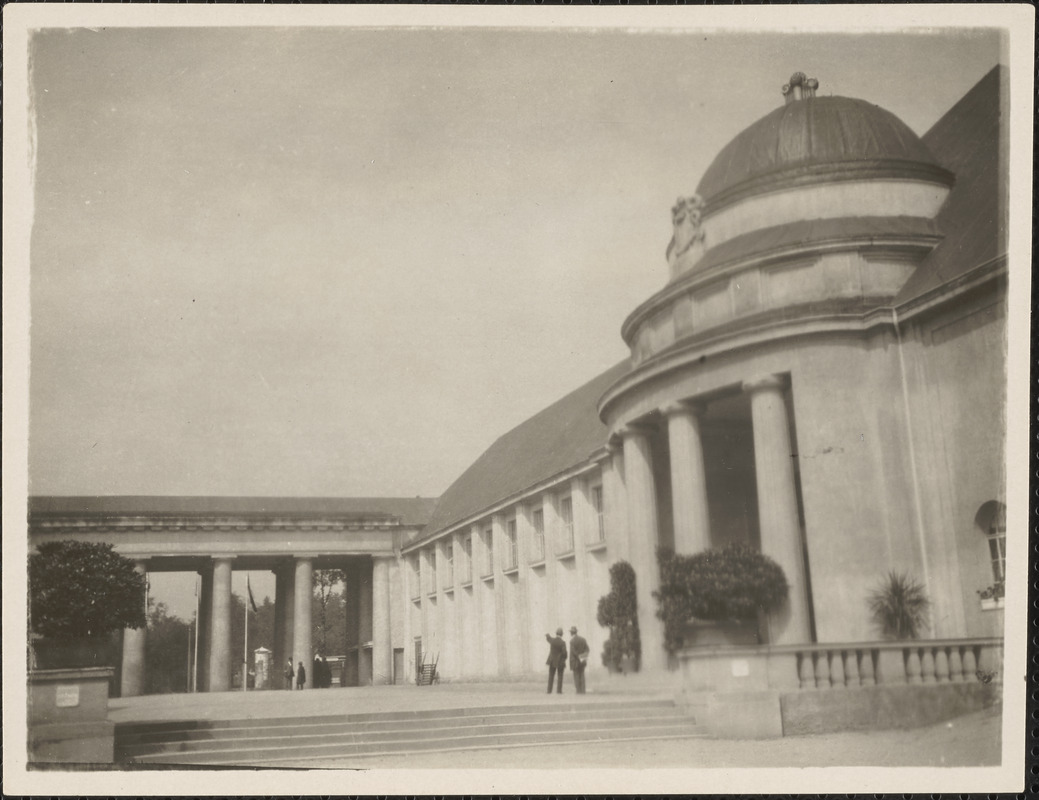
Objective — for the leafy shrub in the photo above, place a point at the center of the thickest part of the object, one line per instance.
(83, 590)
(618, 611)
(731, 583)
(899, 606)
(994, 592)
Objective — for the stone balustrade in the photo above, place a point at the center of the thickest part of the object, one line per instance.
(839, 666)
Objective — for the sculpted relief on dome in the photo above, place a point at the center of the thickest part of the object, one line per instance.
(686, 244)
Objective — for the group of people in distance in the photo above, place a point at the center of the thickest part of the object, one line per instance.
(321, 675)
(557, 659)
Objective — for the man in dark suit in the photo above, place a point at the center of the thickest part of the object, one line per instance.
(578, 658)
(556, 660)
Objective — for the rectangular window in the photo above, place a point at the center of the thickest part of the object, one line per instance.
(510, 554)
(538, 519)
(598, 504)
(488, 545)
(467, 543)
(449, 558)
(416, 577)
(432, 556)
(566, 517)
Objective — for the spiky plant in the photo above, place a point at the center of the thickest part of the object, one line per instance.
(899, 606)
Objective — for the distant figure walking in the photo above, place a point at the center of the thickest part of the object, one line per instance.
(301, 675)
(289, 674)
(578, 658)
(556, 660)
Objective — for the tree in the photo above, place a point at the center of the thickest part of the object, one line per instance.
(168, 650)
(328, 585)
(618, 611)
(899, 606)
(83, 590)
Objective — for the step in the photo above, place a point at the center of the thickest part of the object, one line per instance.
(331, 725)
(305, 761)
(487, 727)
(294, 751)
(417, 714)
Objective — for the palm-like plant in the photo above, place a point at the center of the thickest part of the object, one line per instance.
(899, 606)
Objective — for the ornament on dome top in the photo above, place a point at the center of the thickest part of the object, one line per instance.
(686, 216)
(799, 87)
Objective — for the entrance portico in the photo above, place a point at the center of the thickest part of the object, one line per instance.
(292, 544)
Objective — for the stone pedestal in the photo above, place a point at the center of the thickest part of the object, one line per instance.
(68, 716)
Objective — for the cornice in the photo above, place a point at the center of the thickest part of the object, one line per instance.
(696, 279)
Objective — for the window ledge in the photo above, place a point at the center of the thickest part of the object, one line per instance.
(489, 577)
(539, 563)
(449, 589)
(566, 555)
(594, 547)
(510, 570)
(431, 595)
(416, 598)
(992, 603)
(467, 584)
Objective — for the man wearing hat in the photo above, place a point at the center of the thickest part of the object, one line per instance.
(556, 660)
(578, 658)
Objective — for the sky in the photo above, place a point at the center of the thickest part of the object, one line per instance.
(343, 261)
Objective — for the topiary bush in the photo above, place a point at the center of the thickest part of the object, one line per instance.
(618, 611)
(83, 590)
(731, 583)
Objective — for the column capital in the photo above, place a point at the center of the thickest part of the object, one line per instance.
(764, 382)
(222, 557)
(633, 429)
(683, 407)
(389, 556)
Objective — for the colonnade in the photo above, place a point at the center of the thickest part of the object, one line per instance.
(368, 595)
(777, 505)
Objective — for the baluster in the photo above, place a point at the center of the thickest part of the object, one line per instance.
(837, 669)
(927, 665)
(970, 663)
(807, 670)
(941, 665)
(822, 670)
(913, 666)
(866, 668)
(955, 664)
(851, 668)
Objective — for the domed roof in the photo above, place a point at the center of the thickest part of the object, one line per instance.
(813, 136)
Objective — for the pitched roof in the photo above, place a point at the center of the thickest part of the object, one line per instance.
(968, 142)
(552, 441)
(410, 510)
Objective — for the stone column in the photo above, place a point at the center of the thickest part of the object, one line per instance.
(616, 502)
(205, 619)
(688, 478)
(288, 614)
(220, 630)
(132, 682)
(777, 505)
(302, 650)
(365, 622)
(382, 646)
(643, 539)
(278, 656)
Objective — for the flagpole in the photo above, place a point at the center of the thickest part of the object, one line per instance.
(245, 653)
(194, 673)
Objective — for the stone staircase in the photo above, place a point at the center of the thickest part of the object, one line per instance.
(344, 738)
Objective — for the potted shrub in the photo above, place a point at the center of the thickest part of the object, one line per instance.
(618, 611)
(899, 607)
(717, 596)
(992, 596)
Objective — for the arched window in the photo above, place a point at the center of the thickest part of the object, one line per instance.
(991, 521)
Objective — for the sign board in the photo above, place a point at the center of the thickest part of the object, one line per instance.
(66, 696)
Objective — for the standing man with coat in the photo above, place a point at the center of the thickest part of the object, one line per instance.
(556, 660)
(578, 658)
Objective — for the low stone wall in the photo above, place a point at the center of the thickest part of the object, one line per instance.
(882, 707)
(68, 716)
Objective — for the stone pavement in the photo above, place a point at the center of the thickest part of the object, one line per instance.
(377, 699)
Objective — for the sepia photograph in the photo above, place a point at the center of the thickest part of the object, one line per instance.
(418, 399)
